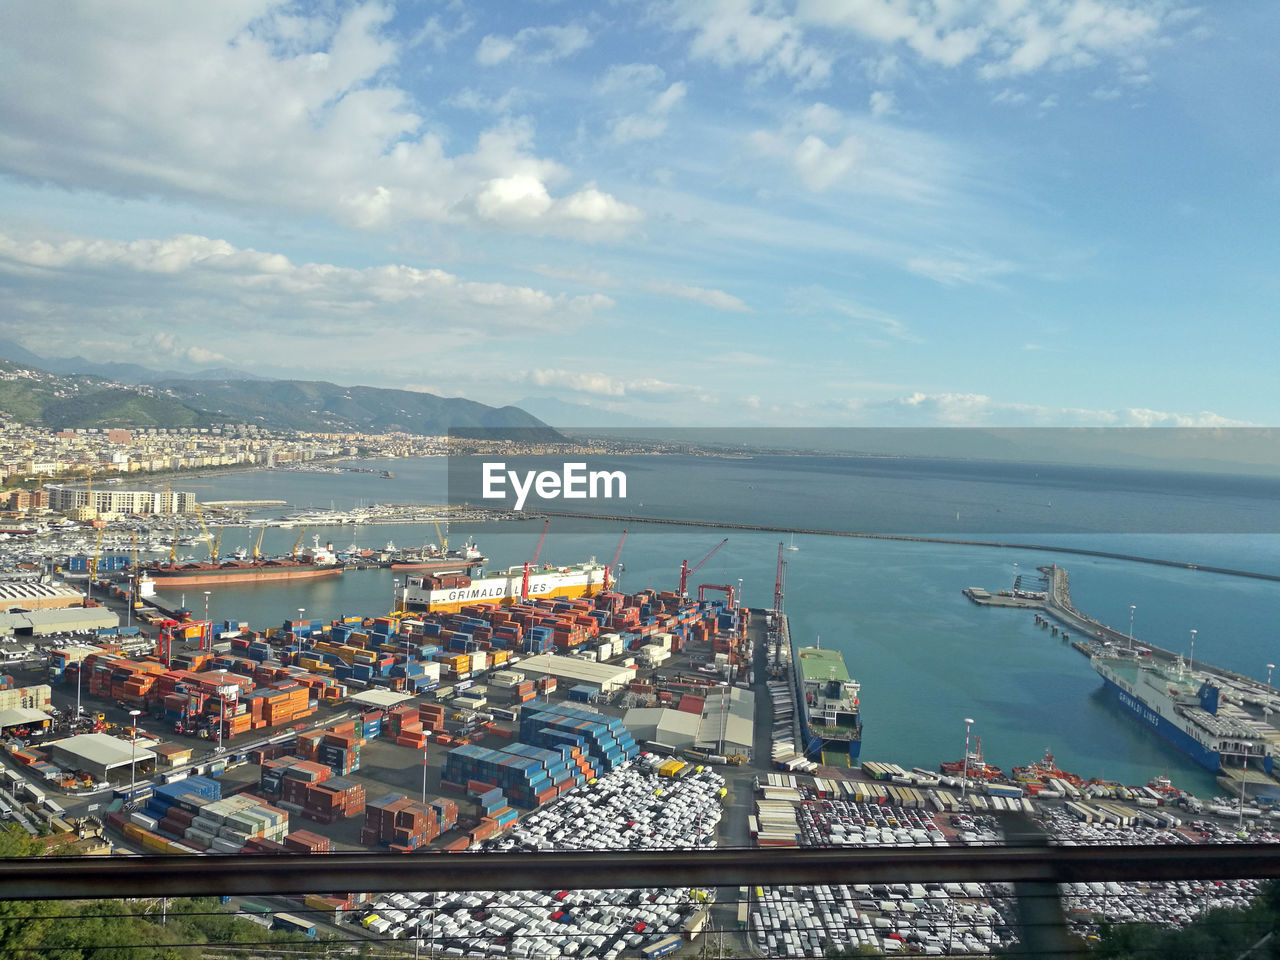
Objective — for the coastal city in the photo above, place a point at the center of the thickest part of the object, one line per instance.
(666, 478)
(545, 708)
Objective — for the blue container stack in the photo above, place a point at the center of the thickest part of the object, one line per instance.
(605, 740)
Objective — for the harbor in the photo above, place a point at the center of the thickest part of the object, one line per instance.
(396, 730)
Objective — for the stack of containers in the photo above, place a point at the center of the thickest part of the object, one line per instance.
(432, 716)
(304, 841)
(334, 800)
(402, 824)
(605, 739)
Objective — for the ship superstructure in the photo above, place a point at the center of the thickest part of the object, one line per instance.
(828, 700)
(1188, 712)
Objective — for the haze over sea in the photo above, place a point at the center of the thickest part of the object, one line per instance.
(926, 657)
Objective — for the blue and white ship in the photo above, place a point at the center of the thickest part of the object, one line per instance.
(1190, 713)
(828, 701)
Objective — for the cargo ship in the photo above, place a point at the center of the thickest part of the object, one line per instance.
(431, 559)
(452, 592)
(321, 562)
(828, 699)
(1189, 713)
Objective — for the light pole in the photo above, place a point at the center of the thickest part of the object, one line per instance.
(207, 628)
(395, 595)
(133, 753)
(1131, 609)
(301, 611)
(1193, 651)
(1244, 781)
(964, 783)
(1270, 667)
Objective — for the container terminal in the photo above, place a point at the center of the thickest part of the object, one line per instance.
(617, 720)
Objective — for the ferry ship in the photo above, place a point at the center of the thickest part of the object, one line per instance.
(321, 562)
(828, 699)
(1189, 713)
(450, 593)
(432, 559)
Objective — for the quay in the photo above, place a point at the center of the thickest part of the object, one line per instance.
(816, 532)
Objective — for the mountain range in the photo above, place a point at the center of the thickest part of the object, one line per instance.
(32, 393)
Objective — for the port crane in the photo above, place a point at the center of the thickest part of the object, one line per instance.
(257, 544)
(298, 543)
(524, 584)
(778, 582)
(169, 628)
(686, 570)
(442, 537)
(609, 570)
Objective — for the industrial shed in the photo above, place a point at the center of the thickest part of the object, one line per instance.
(728, 721)
(99, 754)
(39, 623)
(603, 676)
(34, 595)
(24, 717)
(383, 699)
(673, 728)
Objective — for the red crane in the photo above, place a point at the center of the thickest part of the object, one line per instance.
(613, 566)
(524, 584)
(164, 640)
(778, 582)
(686, 570)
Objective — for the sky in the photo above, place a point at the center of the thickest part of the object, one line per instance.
(698, 212)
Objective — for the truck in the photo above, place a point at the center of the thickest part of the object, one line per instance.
(287, 921)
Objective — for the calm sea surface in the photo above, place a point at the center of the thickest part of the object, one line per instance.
(926, 657)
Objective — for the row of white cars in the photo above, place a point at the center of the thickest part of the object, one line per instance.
(629, 808)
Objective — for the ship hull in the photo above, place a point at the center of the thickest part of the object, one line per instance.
(816, 744)
(436, 566)
(1209, 759)
(176, 578)
(504, 590)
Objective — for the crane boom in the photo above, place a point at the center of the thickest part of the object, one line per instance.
(298, 544)
(779, 581)
(686, 570)
(524, 583)
(257, 546)
(614, 566)
(442, 537)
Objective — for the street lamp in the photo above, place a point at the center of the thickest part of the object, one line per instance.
(1193, 651)
(206, 603)
(1244, 781)
(133, 752)
(1131, 609)
(395, 594)
(964, 783)
(1270, 667)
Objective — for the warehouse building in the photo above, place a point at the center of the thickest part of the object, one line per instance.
(34, 595)
(100, 754)
(721, 723)
(42, 623)
(570, 671)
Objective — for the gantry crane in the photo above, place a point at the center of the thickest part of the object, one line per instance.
(524, 584)
(613, 567)
(686, 570)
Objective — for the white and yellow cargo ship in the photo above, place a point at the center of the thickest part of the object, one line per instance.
(447, 594)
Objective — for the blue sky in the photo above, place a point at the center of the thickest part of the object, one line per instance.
(706, 212)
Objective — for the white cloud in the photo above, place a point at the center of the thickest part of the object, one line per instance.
(977, 409)
(168, 345)
(715, 299)
(243, 301)
(953, 267)
(818, 164)
(583, 275)
(733, 33)
(818, 302)
(533, 44)
(653, 121)
(1002, 38)
(600, 384)
(330, 133)
(882, 102)
(629, 76)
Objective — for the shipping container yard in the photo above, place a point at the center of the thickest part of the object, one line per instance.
(617, 721)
